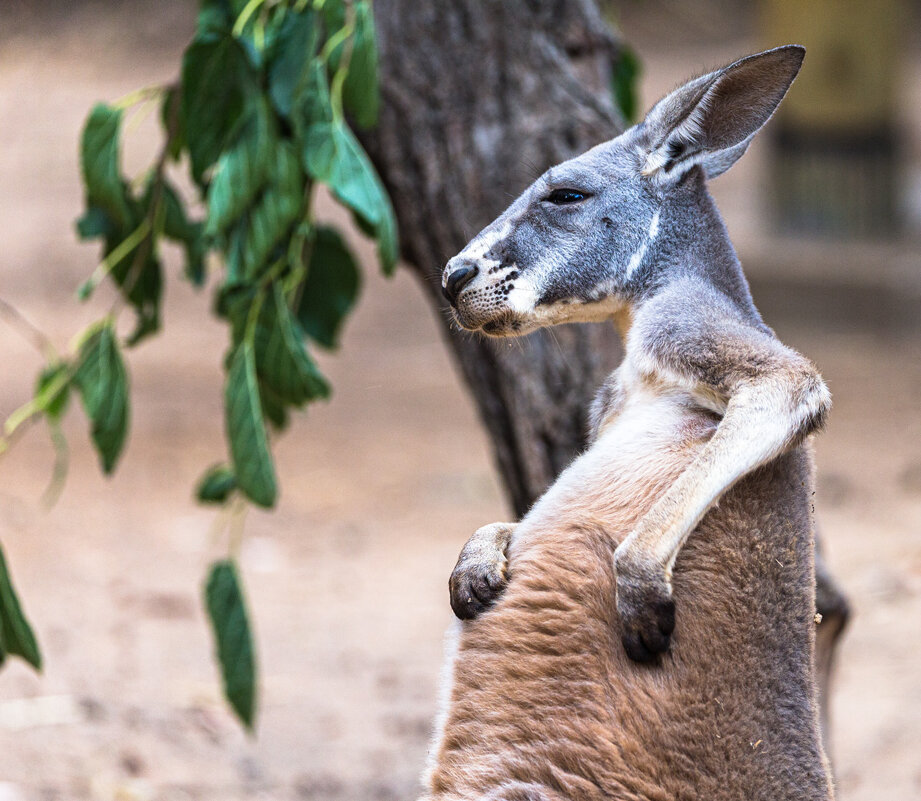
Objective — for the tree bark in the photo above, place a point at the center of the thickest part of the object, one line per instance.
(479, 97)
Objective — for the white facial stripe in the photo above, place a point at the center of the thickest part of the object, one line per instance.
(637, 258)
(654, 226)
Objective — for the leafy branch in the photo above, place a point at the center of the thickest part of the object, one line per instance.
(260, 116)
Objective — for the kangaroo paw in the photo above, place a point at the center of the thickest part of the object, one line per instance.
(647, 612)
(480, 575)
(475, 587)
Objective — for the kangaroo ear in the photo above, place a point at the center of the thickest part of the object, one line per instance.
(711, 120)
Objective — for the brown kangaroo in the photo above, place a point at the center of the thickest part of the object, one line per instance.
(575, 675)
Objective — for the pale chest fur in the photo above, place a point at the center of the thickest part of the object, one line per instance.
(641, 396)
(642, 432)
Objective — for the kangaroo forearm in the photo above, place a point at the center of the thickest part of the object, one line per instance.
(760, 423)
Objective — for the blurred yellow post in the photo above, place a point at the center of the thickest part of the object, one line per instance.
(835, 142)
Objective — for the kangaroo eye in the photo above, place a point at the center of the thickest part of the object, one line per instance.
(562, 197)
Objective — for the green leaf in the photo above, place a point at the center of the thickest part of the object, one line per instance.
(274, 407)
(330, 289)
(177, 142)
(139, 276)
(103, 384)
(215, 20)
(113, 213)
(216, 485)
(16, 636)
(333, 155)
(55, 404)
(624, 77)
(134, 266)
(333, 19)
(249, 446)
(233, 303)
(216, 82)
(229, 621)
(96, 222)
(286, 376)
(321, 150)
(195, 250)
(99, 160)
(179, 228)
(294, 49)
(360, 91)
(143, 290)
(241, 171)
(255, 238)
(312, 102)
(388, 245)
(281, 359)
(176, 224)
(235, 251)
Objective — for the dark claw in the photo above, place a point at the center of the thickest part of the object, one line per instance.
(482, 590)
(496, 582)
(665, 616)
(635, 649)
(466, 607)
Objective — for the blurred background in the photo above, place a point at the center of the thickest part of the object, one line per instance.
(347, 579)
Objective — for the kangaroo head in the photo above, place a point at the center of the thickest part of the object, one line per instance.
(573, 246)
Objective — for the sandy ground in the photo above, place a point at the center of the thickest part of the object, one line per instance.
(347, 579)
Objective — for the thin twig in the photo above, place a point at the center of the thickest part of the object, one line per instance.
(236, 524)
(27, 330)
(153, 219)
(61, 462)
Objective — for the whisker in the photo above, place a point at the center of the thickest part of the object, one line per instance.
(432, 278)
(534, 172)
(556, 342)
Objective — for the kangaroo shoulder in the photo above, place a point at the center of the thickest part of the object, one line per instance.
(694, 334)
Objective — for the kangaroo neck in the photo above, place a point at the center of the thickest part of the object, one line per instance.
(691, 242)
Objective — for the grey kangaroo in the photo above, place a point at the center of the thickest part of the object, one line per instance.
(702, 428)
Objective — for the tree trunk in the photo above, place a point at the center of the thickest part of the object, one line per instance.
(479, 98)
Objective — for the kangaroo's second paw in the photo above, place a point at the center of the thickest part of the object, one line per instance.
(647, 612)
(481, 572)
(475, 585)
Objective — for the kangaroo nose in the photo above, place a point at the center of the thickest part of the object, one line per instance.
(458, 280)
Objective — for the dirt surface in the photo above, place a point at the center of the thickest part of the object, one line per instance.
(347, 579)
